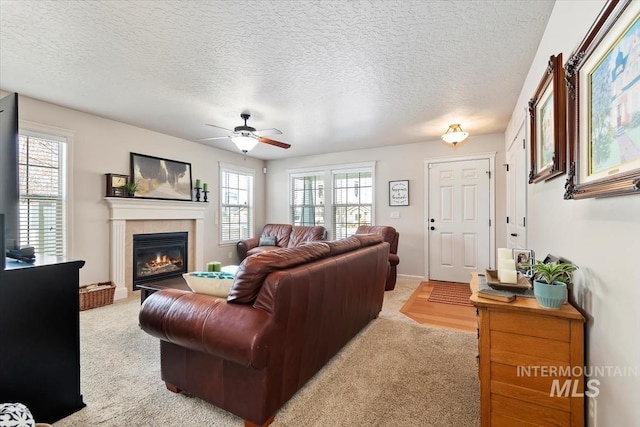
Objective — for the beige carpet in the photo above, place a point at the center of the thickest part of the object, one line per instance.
(394, 373)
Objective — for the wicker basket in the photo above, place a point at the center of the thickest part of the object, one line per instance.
(96, 295)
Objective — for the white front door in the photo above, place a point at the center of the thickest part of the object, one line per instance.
(459, 214)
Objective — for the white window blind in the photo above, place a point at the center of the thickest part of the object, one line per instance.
(41, 186)
(307, 199)
(352, 201)
(236, 199)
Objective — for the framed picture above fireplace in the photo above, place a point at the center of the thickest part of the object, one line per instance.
(159, 178)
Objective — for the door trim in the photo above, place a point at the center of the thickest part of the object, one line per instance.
(491, 156)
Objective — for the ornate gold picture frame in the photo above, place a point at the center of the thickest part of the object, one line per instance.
(603, 85)
(548, 124)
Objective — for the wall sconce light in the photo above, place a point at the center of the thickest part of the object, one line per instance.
(454, 134)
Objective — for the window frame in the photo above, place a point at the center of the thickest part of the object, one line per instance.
(327, 171)
(66, 137)
(335, 206)
(239, 170)
(292, 205)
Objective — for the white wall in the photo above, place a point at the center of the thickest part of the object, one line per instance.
(602, 236)
(101, 146)
(393, 163)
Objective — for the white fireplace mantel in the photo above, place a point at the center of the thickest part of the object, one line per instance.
(122, 210)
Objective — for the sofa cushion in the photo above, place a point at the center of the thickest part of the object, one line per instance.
(260, 249)
(280, 231)
(336, 247)
(304, 233)
(267, 241)
(255, 268)
(368, 239)
(388, 233)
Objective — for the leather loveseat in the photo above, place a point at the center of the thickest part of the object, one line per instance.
(289, 311)
(282, 236)
(391, 236)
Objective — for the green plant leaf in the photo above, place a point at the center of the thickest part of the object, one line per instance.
(553, 272)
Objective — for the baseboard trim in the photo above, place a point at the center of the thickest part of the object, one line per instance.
(409, 276)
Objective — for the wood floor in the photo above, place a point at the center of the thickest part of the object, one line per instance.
(450, 316)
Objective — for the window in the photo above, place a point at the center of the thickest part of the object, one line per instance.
(352, 201)
(339, 198)
(307, 201)
(41, 175)
(236, 199)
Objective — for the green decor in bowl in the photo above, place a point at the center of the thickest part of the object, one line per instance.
(550, 282)
(550, 296)
(209, 282)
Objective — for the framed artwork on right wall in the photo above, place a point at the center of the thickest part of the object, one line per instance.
(603, 86)
(547, 127)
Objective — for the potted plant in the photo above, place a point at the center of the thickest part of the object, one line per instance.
(130, 188)
(550, 282)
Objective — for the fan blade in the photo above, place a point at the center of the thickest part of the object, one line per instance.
(265, 132)
(272, 142)
(219, 127)
(212, 138)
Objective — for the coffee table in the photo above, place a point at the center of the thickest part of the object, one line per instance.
(176, 282)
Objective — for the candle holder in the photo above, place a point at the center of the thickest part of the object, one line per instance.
(198, 193)
(205, 192)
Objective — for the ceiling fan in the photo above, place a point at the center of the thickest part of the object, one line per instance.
(246, 137)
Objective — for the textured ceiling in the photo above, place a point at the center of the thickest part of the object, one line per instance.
(332, 75)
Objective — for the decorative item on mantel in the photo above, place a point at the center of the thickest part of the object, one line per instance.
(202, 193)
(197, 187)
(115, 182)
(130, 188)
(205, 191)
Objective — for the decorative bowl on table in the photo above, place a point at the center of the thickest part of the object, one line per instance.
(216, 283)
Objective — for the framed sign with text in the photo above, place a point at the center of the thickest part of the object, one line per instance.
(399, 193)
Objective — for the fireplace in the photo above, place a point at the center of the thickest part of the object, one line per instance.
(158, 256)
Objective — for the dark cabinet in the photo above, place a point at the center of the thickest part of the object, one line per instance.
(40, 337)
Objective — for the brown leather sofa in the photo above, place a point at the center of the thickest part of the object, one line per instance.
(391, 236)
(289, 311)
(286, 236)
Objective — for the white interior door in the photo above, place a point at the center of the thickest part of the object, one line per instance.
(517, 192)
(459, 216)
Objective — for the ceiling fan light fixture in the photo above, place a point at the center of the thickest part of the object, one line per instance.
(244, 143)
(454, 134)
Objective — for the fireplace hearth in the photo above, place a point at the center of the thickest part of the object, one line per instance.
(159, 256)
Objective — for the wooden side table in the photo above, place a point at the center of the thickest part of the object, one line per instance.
(531, 362)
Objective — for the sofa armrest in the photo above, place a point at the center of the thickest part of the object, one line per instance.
(236, 332)
(244, 246)
(394, 259)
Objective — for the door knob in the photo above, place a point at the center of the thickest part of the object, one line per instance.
(514, 234)
(432, 220)
(432, 228)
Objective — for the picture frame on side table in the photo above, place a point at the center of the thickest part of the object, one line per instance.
(159, 178)
(399, 193)
(524, 256)
(603, 87)
(547, 114)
